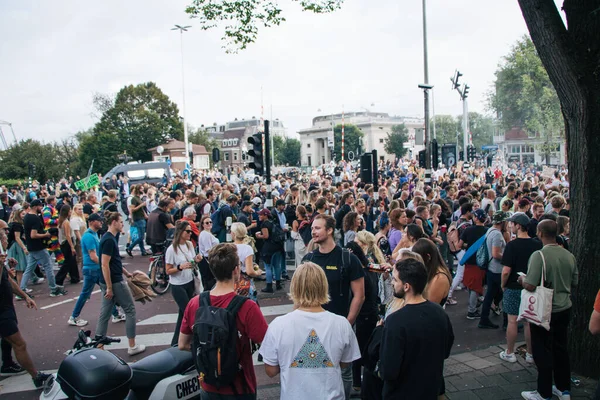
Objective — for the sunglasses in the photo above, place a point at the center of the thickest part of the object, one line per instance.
(207, 222)
(188, 231)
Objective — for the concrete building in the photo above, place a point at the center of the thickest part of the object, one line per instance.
(316, 141)
(174, 150)
(519, 146)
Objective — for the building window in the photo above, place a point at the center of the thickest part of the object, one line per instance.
(308, 145)
(380, 140)
(323, 145)
(309, 161)
(235, 156)
(226, 153)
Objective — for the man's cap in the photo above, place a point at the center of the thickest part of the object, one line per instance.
(257, 201)
(480, 214)
(279, 203)
(500, 216)
(36, 203)
(264, 211)
(519, 218)
(94, 217)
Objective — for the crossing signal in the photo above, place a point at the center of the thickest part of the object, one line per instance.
(461, 155)
(434, 154)
(423, 159)
(256, 152)
(471, 153)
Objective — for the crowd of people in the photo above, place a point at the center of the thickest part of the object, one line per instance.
(376, 264)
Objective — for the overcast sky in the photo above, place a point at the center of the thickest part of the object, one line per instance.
(56, 54)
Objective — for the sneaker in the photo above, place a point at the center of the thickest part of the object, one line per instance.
(12, 370)
(129, 253)
(474, 315)
(137, 349)
(533, 395)
(564, 395)
(27, 290)
(38, 281)
(18, 298)
(58, 291)
(529, 358)
(487, 325)
(119, 318)
(496, 310)
(511, 358)
(481, 298)
(77, 321)
(40, 379)
(286, 277)
(451, 301)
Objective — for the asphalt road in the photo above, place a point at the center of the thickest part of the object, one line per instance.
(48, 335)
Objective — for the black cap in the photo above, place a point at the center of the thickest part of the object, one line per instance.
(36, 203)
(94, 217)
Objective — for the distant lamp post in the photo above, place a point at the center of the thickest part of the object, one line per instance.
(182, 29)
(124, 158)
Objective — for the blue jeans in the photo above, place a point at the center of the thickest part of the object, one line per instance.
(34, 258)
(140, 224)
(91, 278)
(282, 263)
(274, 268)
(493, 288)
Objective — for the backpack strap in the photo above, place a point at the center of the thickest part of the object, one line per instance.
(236, 303)
(205, 299)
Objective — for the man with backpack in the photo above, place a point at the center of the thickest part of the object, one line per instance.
(234, 323)
(272, 249)
(344, 274)
(495, 246)
(219, 218)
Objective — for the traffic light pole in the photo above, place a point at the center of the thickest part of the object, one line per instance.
(269, 201)
(465, 126)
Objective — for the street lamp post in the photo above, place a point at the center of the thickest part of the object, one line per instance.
(426, 87)
(182, 29)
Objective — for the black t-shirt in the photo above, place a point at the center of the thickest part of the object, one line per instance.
(339, 288)
(33, 222)
(470, 235)
(415, 342)
(156, 231)
(88, 209)
(14, 229)
(339, 216)
(110, 206)
(110, 247)
(244, 218)
(516, 256)
(370, 306)
(6, 293)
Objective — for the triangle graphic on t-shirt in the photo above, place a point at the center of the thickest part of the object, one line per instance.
(312, 354)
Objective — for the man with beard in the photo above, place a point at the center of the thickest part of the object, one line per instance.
(416, 339)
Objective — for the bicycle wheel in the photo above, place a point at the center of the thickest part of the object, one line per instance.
(159, 277)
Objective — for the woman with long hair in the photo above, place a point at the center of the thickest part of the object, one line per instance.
(413, 233)
(180, 258)
(78, 224)
(301, 221)
(245, 286)
(16, 242)
(350, 226)
(66, 240)
(206, 241)
(438, 274)
(383, 228)
(398, 223)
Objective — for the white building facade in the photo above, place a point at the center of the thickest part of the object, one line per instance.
(316, 141)
(519, 146)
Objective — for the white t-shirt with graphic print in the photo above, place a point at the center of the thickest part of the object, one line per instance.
(308, 347)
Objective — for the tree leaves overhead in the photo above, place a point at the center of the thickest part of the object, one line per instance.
(48, 159)
(287, 151)
(394, 142)
(243, 18)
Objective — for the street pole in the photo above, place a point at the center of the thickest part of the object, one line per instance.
(465, 127)
(181, 29)
(269, 201)
(433, 113)
(342, 132)
(426, 139)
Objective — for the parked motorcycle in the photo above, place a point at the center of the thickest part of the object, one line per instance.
(89, 372)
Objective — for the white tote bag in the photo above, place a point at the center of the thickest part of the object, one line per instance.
(536, 307)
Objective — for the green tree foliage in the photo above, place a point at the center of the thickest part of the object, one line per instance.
(352, 140)
(141, 117)
(47, 158)
(446, 128)
(202, 137)
(524, 96)
(287, 151)
(481, 126)
(278, 148)
(394, 142)
(242, 19)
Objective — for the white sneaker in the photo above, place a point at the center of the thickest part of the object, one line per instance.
(119, 318)
(27, 290)
(38, 281)
(511, 358)
(529, 358)
(566, 395)
(137, 349)
(77, 321)
(533, 395)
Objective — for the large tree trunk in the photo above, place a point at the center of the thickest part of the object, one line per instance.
(572, 59)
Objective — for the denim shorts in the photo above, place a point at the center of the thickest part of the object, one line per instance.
(511, 301)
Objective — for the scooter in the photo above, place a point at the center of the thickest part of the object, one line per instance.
(89, 372)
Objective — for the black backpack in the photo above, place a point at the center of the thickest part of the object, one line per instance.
(305, 231)
(277, 236)
(214, 343)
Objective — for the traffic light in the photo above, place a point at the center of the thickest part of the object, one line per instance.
(256, 152)
(461, 155)
(216, 155)
(423, 159)
(434, 154)
(465, 92)
(471, 153)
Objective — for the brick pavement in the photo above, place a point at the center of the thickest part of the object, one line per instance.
(482, 375)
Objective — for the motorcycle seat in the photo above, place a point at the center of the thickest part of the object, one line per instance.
(152, 369)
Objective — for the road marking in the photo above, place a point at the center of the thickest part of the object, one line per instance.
(172, 318)
(65, 301)
(21, 383)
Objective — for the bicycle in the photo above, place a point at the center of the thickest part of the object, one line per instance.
(157, 271)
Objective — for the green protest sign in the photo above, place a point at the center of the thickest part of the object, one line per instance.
(87, 183)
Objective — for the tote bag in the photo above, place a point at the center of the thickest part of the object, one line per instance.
(536, 307)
